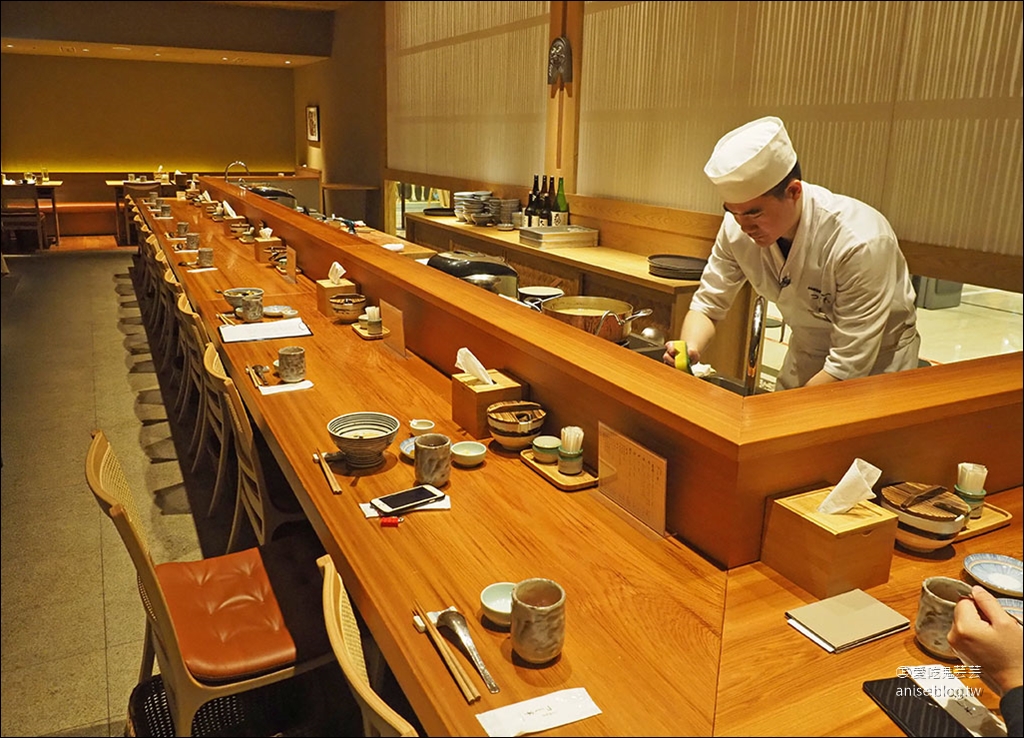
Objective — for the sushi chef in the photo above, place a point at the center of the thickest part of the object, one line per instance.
(830, 263)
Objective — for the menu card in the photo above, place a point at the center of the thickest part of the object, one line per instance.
(846, 620)
(288, 328)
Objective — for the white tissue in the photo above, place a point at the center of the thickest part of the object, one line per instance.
(228, 210)
(468, 363)
(854, 487)
(266, 232)
(206, 196)
(336, 272)
(393, 246)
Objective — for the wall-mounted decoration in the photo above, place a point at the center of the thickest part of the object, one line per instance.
(312, 122)
(560, 61)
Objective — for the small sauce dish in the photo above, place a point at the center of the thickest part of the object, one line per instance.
(468, 453)
(545, 449)
(496, 600)
(420, 426)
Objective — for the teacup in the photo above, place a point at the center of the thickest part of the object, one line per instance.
(251, 309)
(939, 596)
(291, 363)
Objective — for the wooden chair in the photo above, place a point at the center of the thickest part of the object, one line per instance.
(379, 718)
(222, 625)
(20, 212)
(216, 421)
(262, 492)
(191, 342)
(135, 191)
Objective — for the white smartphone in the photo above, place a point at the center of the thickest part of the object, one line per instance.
(407, 499)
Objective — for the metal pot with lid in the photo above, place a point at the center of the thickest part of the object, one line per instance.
(490, 272)
(603, 316)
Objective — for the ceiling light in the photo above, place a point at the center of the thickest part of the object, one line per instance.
(121, 48)
(287, 61)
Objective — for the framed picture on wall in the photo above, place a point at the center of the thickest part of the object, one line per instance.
(312, 122)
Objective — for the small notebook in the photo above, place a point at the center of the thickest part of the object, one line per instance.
(846, 620)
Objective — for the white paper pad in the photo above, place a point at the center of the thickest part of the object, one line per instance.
(285, 387)
(202, 269)
(445, 503)
(186, 251)
(287, 328)
(541, 713)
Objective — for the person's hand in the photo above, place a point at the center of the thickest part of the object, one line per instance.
(984, 634)
(672, 352)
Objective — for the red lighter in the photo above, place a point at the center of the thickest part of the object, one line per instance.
(390, 522)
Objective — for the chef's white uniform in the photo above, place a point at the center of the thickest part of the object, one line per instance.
(844, 290)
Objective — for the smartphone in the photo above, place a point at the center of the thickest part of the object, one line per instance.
(407, 499)
(916, 713)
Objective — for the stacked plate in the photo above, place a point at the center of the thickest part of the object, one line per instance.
(673, 266)
(468, 203)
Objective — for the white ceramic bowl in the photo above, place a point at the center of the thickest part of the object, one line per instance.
(545, 449)
(468, 453)
(234, 295)
(496, 600)
(419, 426)
(363, 437)
(922, 541)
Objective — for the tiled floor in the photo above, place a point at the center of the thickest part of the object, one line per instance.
(74, 358)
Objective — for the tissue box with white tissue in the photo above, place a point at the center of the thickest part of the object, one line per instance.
(471, 396)
(830, 553)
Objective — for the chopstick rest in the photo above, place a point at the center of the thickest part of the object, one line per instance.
(331, 480)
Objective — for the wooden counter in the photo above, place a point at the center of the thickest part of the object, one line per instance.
(726, 455)
(646, 615)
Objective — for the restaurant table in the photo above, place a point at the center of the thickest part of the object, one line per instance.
(664, 641)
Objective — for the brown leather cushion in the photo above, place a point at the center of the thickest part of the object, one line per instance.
(249, 612)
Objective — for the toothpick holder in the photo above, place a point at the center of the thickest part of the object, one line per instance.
(326, 289)
(471, 398)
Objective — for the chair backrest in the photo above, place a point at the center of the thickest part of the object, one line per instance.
(19, 198)
(252, 486)
(343, 631)
(140, 189)
(106, 479)
(214, 377)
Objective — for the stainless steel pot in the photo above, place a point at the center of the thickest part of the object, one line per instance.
(603, 316)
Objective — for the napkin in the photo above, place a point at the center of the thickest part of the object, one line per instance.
(266, 232)
(540, 713)
(285, 387)
(201, 269)
(393, 246)
(228, 210)
(854, 487)
(336, 273)
(468, 363)
(206, 196)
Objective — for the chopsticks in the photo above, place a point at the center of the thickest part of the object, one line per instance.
(256, 378)
(469, 691)
(331, 479)
(225, 319)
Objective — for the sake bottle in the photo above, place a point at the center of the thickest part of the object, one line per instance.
(531, 212)
(560, 212)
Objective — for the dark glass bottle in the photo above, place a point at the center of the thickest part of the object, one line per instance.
(545, 202)
(530, 213)
(560, 212)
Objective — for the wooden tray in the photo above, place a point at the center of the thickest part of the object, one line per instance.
(992, 518)
(362, 332)
(568, 482)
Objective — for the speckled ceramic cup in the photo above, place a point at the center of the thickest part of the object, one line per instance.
(433, 459)
(939, 596)
(538, 620)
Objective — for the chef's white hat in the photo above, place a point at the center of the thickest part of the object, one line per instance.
(750, 160)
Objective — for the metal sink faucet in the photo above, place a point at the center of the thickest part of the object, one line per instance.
(241, 163)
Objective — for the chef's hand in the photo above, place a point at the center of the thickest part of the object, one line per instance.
(985, 635)
(681, 355)
(698, 330)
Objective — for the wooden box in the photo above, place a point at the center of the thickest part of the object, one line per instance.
(471, 397)
(233, 219)
(326, 289)
(261, 248)
(828, 554)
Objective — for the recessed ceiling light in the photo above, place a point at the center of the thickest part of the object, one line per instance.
(10, 46)
(121, 48)
(287, 61)
(223, 58)
(85, 51)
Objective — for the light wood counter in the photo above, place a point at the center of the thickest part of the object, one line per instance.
(647, 615)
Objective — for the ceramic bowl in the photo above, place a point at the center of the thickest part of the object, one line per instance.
(921, 541)
(515, 417)
(545, 449)
(234, 295)
(468, 453)
(363, 437)
(419, 426)
(996, 572)
(348, 308)
(481, 219)
(514, 441)
(496, 600)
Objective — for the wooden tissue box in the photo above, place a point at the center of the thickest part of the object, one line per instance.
(229, 219)
(471, 398)
(825, 553)
(261, 246)
(326, 289)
